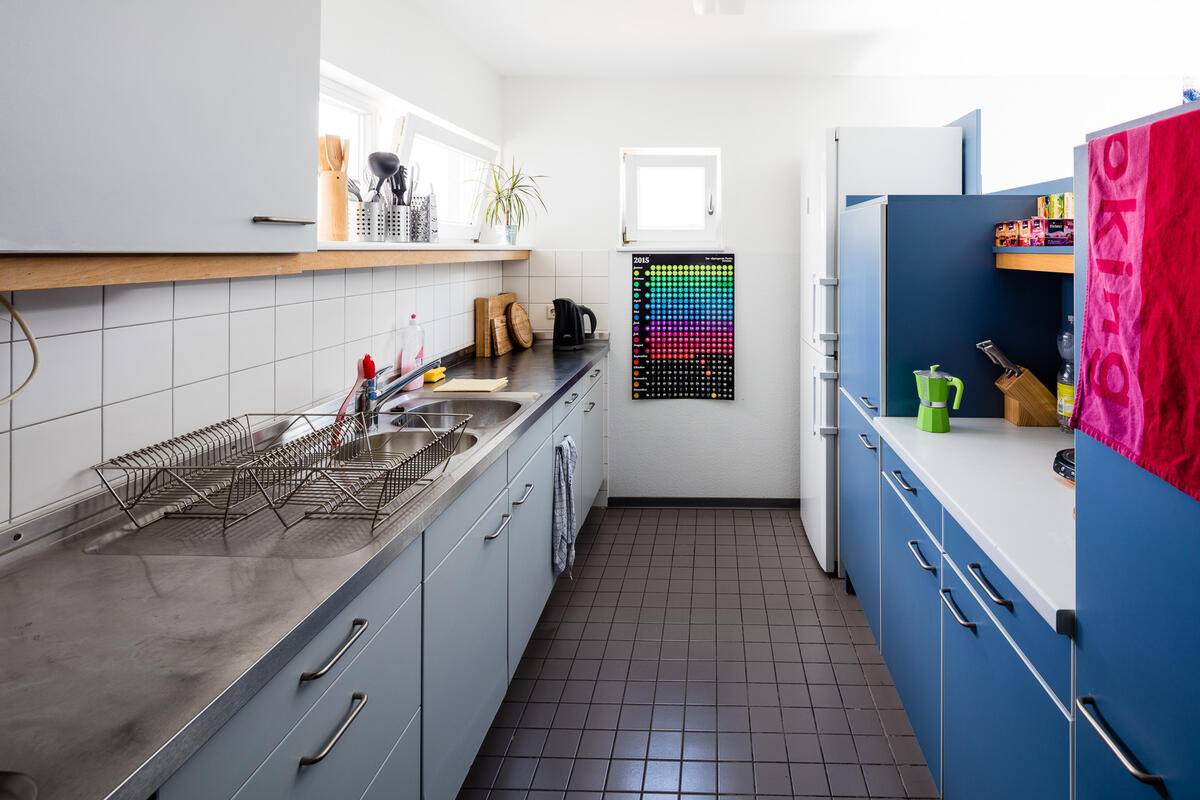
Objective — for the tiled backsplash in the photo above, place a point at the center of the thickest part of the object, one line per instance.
(581, 275)
(125, 366)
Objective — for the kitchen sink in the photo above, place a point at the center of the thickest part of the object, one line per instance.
(17, 786)
(485, 412)
(409, 440)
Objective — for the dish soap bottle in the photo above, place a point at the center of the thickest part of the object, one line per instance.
(412, 352)
(1066, 374)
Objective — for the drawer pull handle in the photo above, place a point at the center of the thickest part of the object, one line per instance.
(283, 220)
(574, 397)
(507, 519)
(1127, 761)
(596, 374)
(357, 697)
(588, 410)
(954, 612)
(862, 437)
(357, 627)
(867, 403)
(986, 585)
(925, 565)
(903, 483)
(524, 497)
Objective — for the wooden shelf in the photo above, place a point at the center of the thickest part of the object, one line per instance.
(1060, 260)
(21, 272)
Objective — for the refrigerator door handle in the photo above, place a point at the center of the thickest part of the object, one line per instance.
(819, 335)
(818, 401)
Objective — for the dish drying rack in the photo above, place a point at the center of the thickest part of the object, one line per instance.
(318, 466)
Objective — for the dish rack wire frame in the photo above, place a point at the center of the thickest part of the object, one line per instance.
(226, 471)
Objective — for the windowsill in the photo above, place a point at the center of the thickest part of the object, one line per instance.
(416, 246)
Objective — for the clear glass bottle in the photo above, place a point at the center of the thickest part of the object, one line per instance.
(1066, 374)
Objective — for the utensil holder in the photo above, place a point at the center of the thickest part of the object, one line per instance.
(1027, 402)
(396, 223)
(332, 212)
(369, 221)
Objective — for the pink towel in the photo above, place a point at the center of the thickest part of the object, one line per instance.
(1139, 379)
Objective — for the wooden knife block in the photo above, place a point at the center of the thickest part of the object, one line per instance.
(1027, 401)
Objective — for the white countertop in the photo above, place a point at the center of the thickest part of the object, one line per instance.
(328, 245)
(996, 480)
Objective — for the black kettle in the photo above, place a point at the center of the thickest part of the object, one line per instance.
(568, 324)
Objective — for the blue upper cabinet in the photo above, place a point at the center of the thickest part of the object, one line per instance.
(1137, 652)
(860, 254)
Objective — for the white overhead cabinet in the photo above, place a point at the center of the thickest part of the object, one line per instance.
(159, 127)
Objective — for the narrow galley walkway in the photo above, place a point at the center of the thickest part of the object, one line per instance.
(699, 653)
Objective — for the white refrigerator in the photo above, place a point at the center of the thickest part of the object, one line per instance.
(860, 163)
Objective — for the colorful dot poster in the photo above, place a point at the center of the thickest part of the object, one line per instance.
(683, 326)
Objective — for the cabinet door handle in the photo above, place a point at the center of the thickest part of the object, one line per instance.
(925, 565)
(954, 612)
(862, 437)
(357, 697)
(977, 573)
(903, 483)
(574, 397)
(596, 374)
(507, 518)
(1127, 761)
(867, 403)
(588, 410)
(524, 497)
(283, 220)
(357, 628)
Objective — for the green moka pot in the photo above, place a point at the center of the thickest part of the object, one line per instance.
(933, 389)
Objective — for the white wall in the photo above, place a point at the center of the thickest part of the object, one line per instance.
(772, 135)
(394, 45)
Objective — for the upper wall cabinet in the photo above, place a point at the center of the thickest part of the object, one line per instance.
(152, 126)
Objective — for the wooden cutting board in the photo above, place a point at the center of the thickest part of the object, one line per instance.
(519, 325)
(502, 344)
(487, 309)
(472, 385)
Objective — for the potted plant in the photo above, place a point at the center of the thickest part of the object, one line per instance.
(510, 195)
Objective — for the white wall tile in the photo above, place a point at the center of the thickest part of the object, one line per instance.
(201, 348)
(251, 338)
(406, 306)
(6, 323)
(5, 387)
(458, 298)
(383, 279)
(329, 373)
(355, 350)
(383, 312)
(518, 285)
(568, 263)
(329, 322)
(358, 316)
(358, 281)
(199, 404)
(54, 460)
(441, 337)
(293, 288)
(541, 290)
(200, 298)
(294, 383)
(136, 361)
(252, 391)
(571, 287)
(601, 312)
(456, 272)
(329, 283)
(136, 423)
(425, 304)
(384, 348)
(406, 277)
(441, 273)
(247, 293)
(137, 304)
(441, 301)
(595, 290)
(68, 380)
(51, 312)
(516, 268)
(595, 263)
(293, 329)
(541, 263)
(426, 275)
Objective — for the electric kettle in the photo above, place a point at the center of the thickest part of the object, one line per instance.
(568, 324)
(933, 388)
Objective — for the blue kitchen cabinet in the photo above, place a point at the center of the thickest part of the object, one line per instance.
(530, 564)
(400, 776)
(1005, 737)
(1137, 653)
(911, 646)
(858, 503)
(863, 232)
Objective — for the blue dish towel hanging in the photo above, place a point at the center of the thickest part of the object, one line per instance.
(562, 548)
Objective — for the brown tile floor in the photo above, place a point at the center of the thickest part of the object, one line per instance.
(697, 653)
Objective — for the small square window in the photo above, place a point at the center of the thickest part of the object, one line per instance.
(670, 198)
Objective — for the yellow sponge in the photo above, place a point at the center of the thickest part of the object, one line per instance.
(435, 375)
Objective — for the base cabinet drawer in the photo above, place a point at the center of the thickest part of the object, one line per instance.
(530, 559)
(591, 448)
(922, 501)
(339, 746)
(400, 776)
(858, 507)
(466, 650)
(572, 426)
(1005, 736)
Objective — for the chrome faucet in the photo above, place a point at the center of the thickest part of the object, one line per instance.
(398, 384)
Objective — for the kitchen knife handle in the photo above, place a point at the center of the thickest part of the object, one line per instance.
(954, 612)
(1127, 761)
(862, 437)
(867, 403)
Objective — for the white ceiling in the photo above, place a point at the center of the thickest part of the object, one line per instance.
(829, 37)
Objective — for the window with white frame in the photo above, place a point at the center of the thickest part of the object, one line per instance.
(670, 197)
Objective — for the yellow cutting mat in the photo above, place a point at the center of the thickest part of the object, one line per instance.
(472, 385)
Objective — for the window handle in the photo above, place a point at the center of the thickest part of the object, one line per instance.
(711, 208)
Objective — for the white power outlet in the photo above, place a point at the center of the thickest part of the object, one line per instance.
(550, 311)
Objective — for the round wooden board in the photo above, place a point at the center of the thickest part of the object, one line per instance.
(518, 325)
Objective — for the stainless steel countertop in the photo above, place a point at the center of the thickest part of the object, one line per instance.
(115, 669)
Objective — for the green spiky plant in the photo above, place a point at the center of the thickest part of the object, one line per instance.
(510, 195)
